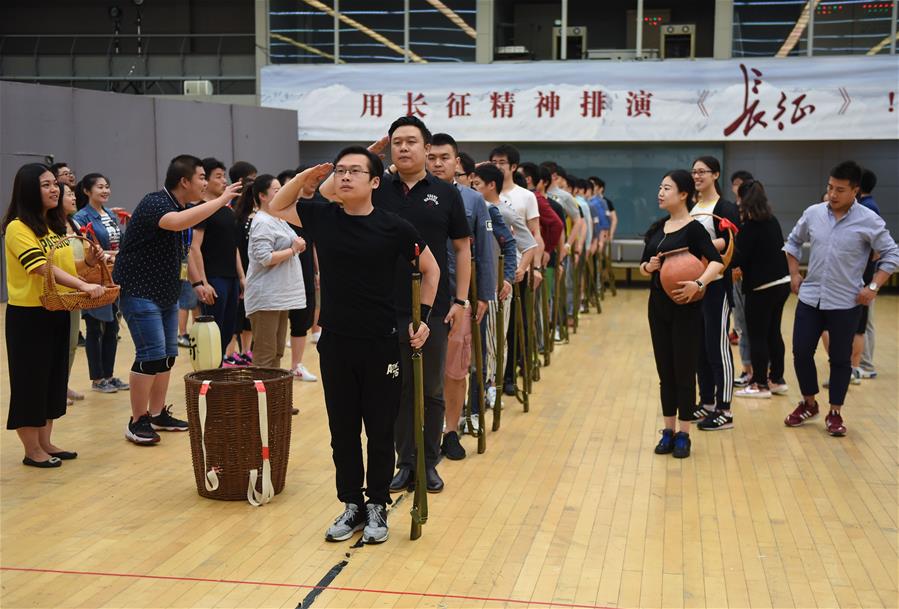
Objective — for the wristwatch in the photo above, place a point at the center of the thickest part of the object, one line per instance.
(462, 303)
(873, 286)
(700, 284)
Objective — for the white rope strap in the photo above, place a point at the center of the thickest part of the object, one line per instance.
(268, 490)
(212, 479)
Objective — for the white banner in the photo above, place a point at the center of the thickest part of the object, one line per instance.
(677, 100)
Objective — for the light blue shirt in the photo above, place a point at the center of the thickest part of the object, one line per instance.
(839, 253)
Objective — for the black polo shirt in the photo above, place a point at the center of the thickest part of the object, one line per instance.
(435, 209)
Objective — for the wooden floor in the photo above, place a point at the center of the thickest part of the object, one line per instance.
(568, 507)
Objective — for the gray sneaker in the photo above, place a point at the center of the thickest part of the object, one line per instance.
(103, 386)
(349, 522)
(376, 528)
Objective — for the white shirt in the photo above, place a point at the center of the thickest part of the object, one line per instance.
(523, 202)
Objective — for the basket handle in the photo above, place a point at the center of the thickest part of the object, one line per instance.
(50, 278)
(211, 479)
(268, 490)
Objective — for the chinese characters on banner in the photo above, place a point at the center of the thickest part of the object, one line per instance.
(703, 100)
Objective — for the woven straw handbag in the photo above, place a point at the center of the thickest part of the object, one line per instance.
(54, 300)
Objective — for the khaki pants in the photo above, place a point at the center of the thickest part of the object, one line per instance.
(269, 336)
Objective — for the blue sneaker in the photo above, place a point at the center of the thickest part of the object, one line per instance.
(681, 445)
(666, 444)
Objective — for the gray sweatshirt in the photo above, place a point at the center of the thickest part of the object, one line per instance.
(272, 288)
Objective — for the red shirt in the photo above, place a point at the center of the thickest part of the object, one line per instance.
(550, 225)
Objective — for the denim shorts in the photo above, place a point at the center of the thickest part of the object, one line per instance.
(154, 329)
(188, 298)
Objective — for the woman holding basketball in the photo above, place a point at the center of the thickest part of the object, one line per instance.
(675, 318)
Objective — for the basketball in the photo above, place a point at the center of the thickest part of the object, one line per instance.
(680, 265)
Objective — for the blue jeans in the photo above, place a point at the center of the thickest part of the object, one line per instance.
(153, 328)
(224, 309)
(188, 298)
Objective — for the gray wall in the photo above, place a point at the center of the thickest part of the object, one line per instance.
(131, 138)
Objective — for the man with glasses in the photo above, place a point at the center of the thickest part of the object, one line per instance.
(64, 174)
(436, 211)
(359, 246)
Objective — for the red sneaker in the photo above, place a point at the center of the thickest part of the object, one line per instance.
(834, 423)
(803, 413)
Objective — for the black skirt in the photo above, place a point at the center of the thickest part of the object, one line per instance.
(37, 346)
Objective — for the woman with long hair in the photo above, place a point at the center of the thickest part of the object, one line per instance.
(766, 284)
(716, 362)
(274, 279)
(102, 336)
(37, 340)
(244, 212)
(675, 324)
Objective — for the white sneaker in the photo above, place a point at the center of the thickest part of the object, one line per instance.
(463, 424)
(856, 378)
(753, 391)
(868, 374)
(301, 373)
(778, 388)
(491, 396)
(316, 336)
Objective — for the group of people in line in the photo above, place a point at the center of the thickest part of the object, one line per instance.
(262, 254)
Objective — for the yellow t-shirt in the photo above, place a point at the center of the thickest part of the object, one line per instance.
(26, 251)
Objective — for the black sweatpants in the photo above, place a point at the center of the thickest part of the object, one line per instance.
(434, 363)
(809, 324)
(362, 381)
(716, 362)
(37, 351)
(675, 331)
(764, 310)
(509, 373)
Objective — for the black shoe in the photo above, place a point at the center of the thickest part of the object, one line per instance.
(722, 419)
(81, 343)
(435, 482)
(700, 413)
(65, 455)
(51, 462)
(666, 444)
(402, 481)
(164, 421)
(140, 431)
(451, 447)
(509, 388)
(681, 445)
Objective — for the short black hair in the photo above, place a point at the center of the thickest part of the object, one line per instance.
(55, 167)
(552, 167)
(445, 139)
(240, 170)
(585, 184)
(868, 181)
(597, 182)
(410, 121)
(519, 179)
(210, 164)
(467, 163)
(742, 175)
(182, 166)
(509, 151)
(488, 172)
(286, 175)
(375, 166)
(530, 170)
(848, 170)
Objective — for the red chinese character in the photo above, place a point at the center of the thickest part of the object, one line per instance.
(457, 105)
(800, 111)
(750, 113)
(501, 106)
(372, 104)
(593, 103)
(780, 111)
(638, 103)
(412, 104)
(547, 103)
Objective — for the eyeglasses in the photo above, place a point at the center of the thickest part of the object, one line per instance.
(700, 172)
(353, 171)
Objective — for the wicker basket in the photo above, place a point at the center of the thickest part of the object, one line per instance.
(230, 433)
(54, 300)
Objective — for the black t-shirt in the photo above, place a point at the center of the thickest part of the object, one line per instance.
(219, 243)
(307, 259)
(436, 210)
(148, 264)
(242, 237)
(358, 256)
(693, 236)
